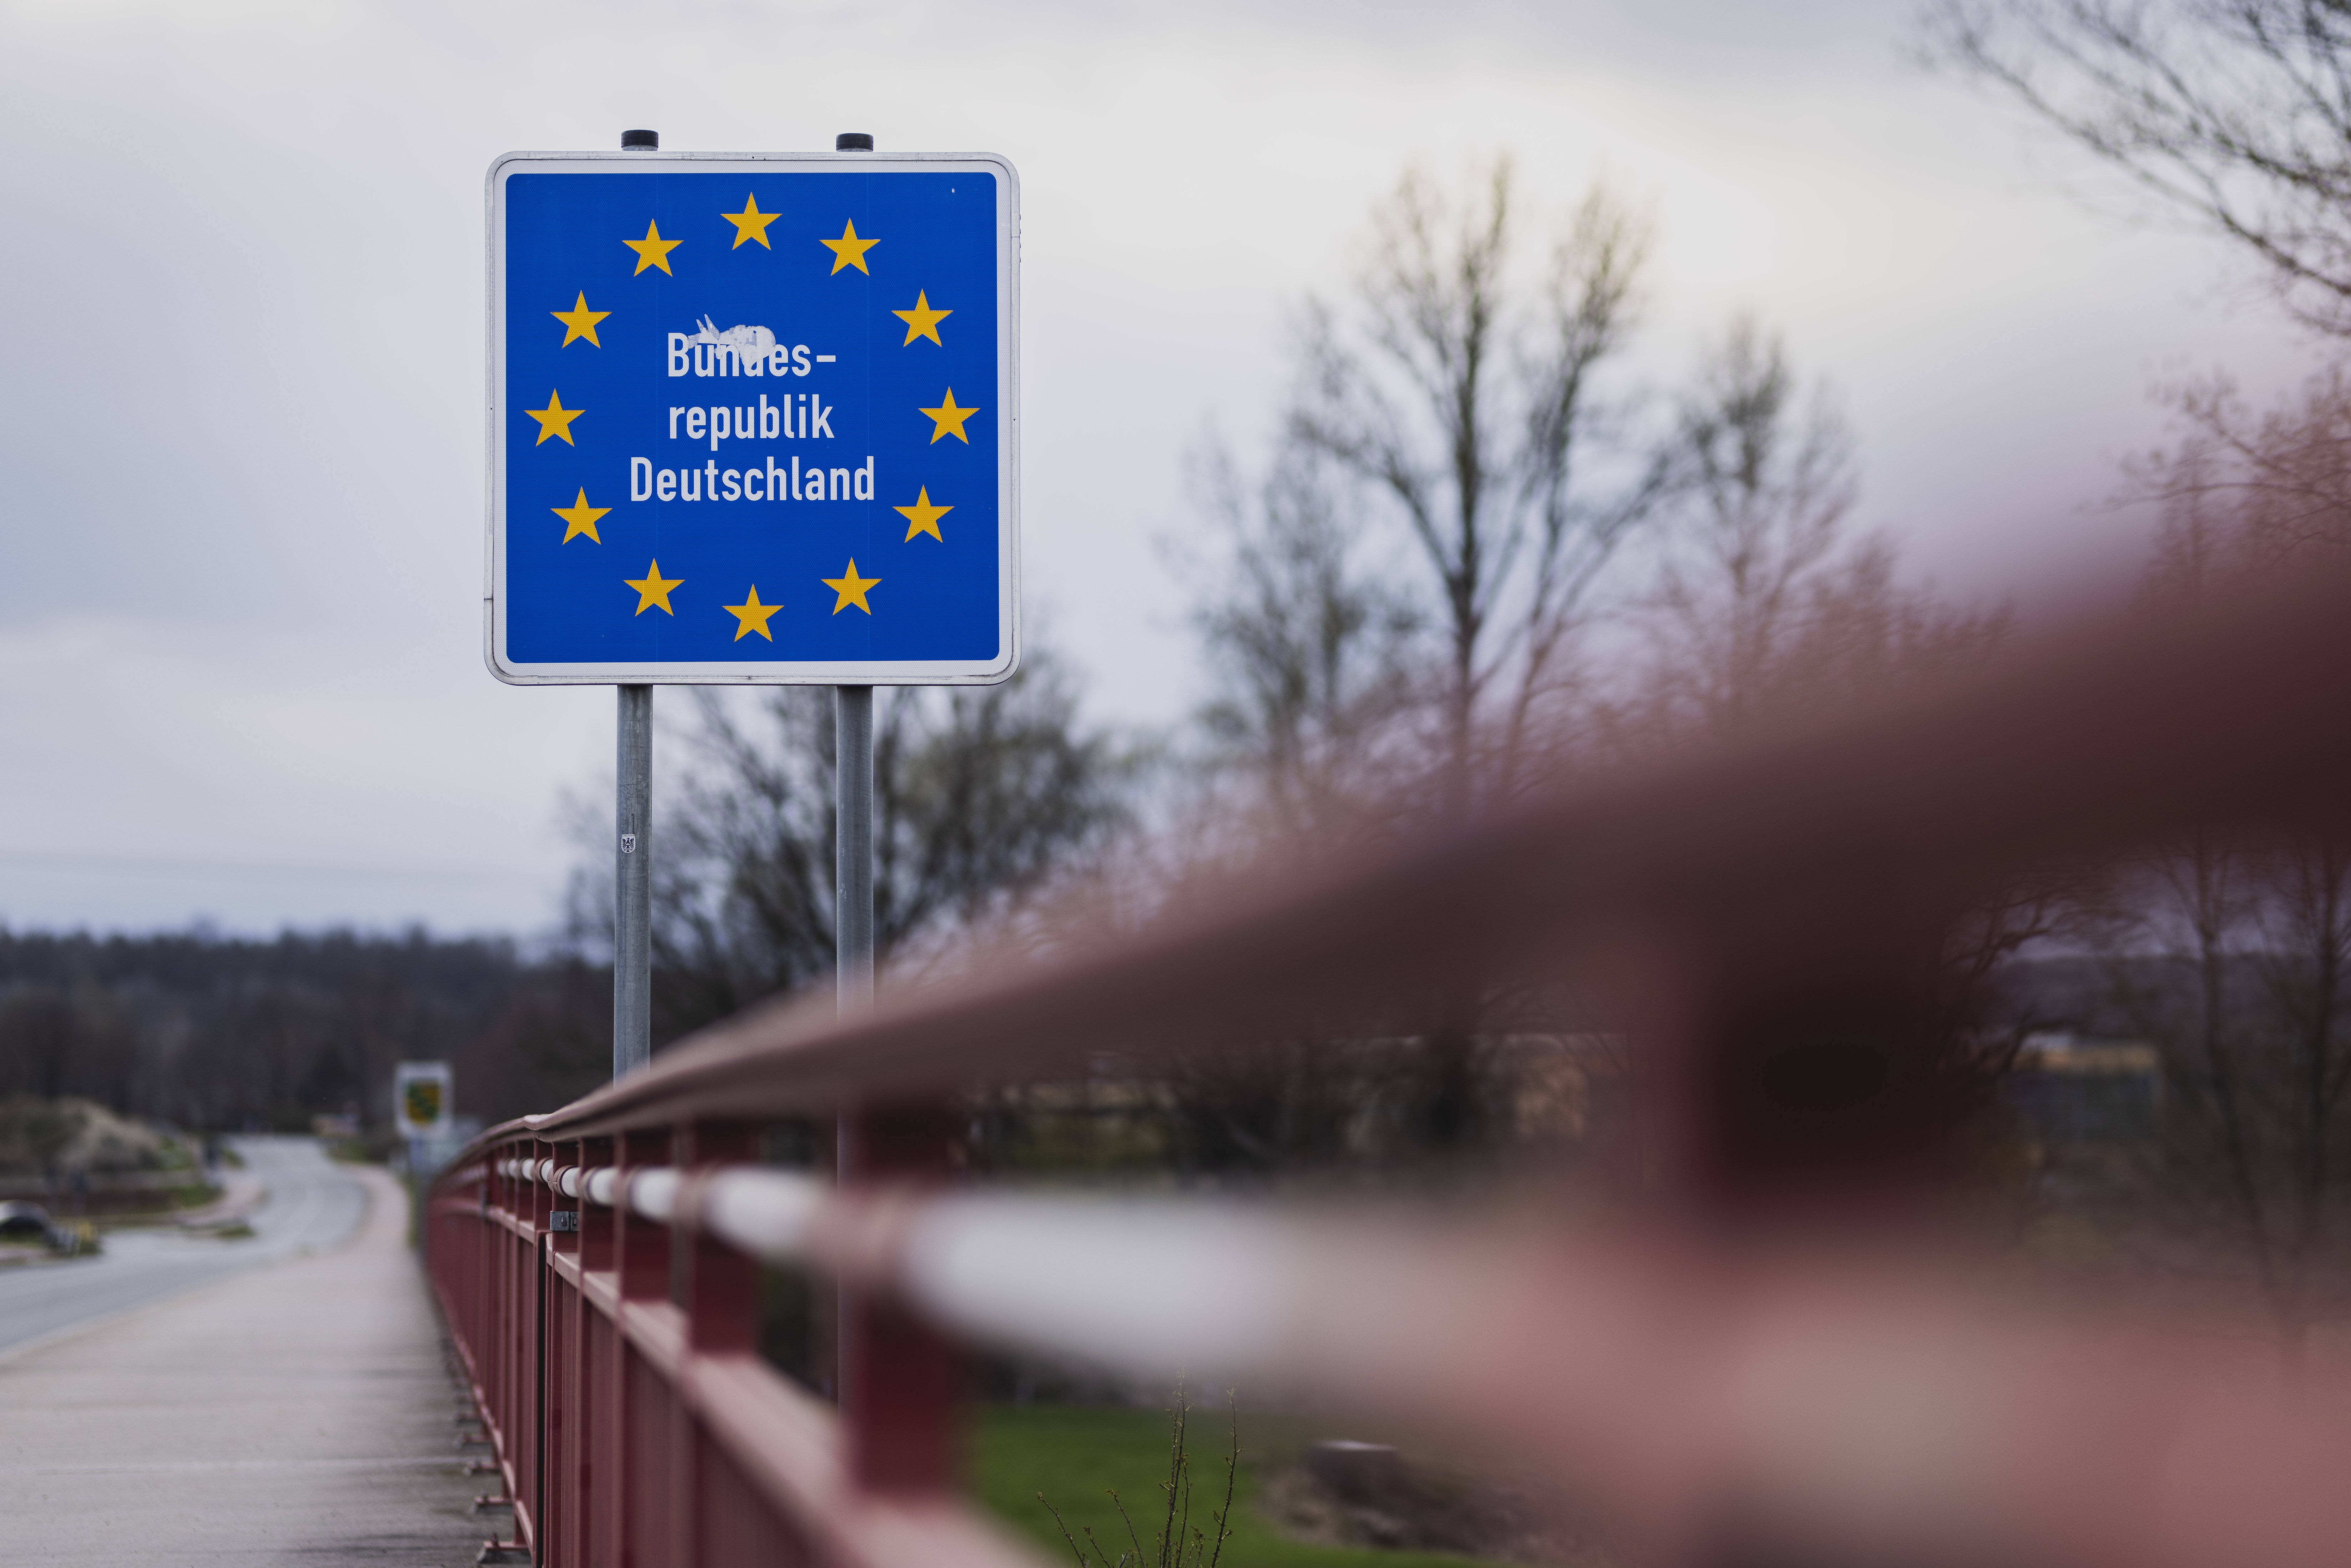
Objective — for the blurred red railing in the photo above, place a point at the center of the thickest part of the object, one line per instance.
(1774, 1363)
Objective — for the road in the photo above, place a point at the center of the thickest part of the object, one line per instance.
(258, 1408)
(312, 1204)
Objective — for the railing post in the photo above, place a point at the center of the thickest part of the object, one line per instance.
(538, 1375)
(596, 1222)
(593, 1390)
(901, 1381)
(719, 1285)
(559, 1397)
(510, 1297)
(718, 1288)
(640, 1270)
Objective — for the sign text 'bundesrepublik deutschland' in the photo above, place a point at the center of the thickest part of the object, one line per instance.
(752, 418)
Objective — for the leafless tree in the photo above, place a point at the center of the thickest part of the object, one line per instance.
(1767, 489)
(1462, 409)
(1464, 393)
(2251, 940)
(2306, 970)
(39, 1028)
(2243, 494)
(1313, 646)
(1405, 591)
(980, 793)
(2234, 114)
(1767, 602)
(2232, 959)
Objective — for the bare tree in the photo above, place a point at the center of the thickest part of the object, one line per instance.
(40, 1029)
(1466, 399)
(2246, 495)
(2233, 959)
(2234, 114)
(980, 792)
(1765, 600)
(2250, 941)
(1313, 647)
(1766, 492)
(1461, 391)
(2306, 970)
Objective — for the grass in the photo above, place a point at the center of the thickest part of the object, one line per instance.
(193, 1195)
(1073, 1453)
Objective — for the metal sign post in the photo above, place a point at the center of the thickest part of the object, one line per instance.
(852, 917)
(633, 882)
(753, 420)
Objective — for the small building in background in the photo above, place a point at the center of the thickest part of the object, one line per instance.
(2067, 1091)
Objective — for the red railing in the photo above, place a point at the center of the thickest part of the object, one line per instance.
(1765, 1361)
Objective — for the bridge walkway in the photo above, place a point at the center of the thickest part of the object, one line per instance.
(298, 1411)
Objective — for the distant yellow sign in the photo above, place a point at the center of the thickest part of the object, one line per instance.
(420, 1098)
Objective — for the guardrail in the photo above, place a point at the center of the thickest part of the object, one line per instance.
(1771, 1365)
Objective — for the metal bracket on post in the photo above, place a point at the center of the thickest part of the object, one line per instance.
(632, 884)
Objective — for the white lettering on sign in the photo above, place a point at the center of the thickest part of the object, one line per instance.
(800, 417)
(738, 351)
(770, 482)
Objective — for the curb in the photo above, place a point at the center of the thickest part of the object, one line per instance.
(242, 1193)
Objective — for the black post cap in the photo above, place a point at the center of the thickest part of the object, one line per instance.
(639, 140)
(853, 141)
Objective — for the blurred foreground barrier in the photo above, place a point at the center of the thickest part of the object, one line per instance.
(1768, 1367)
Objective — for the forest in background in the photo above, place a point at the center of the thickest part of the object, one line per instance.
(213, 1033)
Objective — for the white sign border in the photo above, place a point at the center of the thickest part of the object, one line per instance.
(965, 672)
(404, 1073)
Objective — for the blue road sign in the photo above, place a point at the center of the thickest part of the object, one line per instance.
(753, 418)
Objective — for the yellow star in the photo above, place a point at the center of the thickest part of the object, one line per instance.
(654, 589)
(579, 321)
(921, 518)
(922, 321)
(583, 518)
(652, 250)
(948, 420)
(556, 420)
(750, 223)
(850, 589)
(751, 615)
(849, 250)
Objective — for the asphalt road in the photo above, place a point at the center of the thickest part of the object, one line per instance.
(312, 1204)
(293, 1416)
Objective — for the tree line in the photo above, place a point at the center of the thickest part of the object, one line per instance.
(218, 1033)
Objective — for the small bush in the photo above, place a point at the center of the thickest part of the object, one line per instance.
(1180, 1543)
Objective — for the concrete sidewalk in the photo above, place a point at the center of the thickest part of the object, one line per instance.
(296, 1412)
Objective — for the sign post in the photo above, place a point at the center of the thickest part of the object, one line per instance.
(853, 884)
(753, 420)
(633, 882)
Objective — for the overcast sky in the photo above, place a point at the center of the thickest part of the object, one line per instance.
(241, 351)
